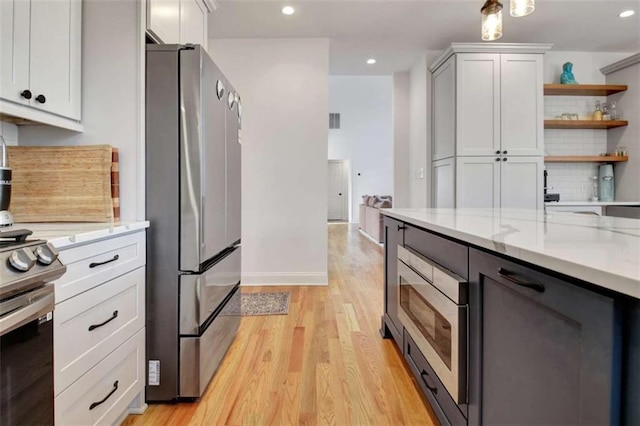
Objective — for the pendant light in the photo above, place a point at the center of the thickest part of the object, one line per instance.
(521, 8)
(491, 20)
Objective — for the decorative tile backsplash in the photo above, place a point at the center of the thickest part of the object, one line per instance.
(572, 180)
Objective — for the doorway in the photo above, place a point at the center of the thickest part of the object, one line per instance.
(338, 191)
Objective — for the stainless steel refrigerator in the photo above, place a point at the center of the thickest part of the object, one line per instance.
(193, 204)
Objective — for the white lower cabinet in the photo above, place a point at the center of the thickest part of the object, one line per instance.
(99, 331)
(97, 321)
(444, 178)
(477, 182)
(102, 394)
(499, 182)
(521, 183)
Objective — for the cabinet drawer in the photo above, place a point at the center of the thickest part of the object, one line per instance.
(451, 255)
(431, 386)
(92, 264)
(116, 380)
(93, 324)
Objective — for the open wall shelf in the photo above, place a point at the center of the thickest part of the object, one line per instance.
(584, 124)
(584, 159)
(583, 89)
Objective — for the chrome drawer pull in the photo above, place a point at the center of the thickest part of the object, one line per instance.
(426, 379)
(510, 276)
(95, 404)
(94, 326)
(94, 264)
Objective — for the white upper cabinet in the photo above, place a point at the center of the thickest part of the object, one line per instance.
(178, 21)
(478, 103)
(41, 61)
(193, 22)
(163, 20)
(14, 45)
(521, 99)
(55, 56)
(444, 110)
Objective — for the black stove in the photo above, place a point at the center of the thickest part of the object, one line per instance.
(26, 264)
(27, 301)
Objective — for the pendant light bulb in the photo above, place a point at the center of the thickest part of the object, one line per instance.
(491, 20)
(521, 8)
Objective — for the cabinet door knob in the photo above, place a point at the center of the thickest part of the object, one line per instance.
(504, 159)
(339, 193)
(497, 159)
(401, 227)
(26, 94)
(41, 99)
(504, 152)
(498, 152)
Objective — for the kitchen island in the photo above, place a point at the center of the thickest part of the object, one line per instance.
(544, 323)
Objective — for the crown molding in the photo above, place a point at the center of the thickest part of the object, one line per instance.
(623, 63)
(538, 48)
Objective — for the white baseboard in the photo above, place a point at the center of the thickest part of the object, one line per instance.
(284, 278)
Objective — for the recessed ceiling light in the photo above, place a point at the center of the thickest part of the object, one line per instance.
(371, 61)
(627, 13)
(288, 10)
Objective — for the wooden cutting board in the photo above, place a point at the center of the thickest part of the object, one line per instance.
(64, 183)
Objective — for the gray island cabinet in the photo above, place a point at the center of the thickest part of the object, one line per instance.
(543, 347)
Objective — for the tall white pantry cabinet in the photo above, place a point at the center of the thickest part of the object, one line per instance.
(488, 126)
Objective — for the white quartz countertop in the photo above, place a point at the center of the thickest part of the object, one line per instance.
(592, 203)
(65, 235)
(602, 250)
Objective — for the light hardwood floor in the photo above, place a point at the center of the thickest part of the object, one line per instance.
(324, 363)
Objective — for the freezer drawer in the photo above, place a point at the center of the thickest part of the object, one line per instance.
(200, 295)
(201, 356)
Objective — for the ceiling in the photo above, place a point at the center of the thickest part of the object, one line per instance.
(398, 32)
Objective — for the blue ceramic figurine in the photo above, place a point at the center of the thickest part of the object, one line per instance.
(567, 74)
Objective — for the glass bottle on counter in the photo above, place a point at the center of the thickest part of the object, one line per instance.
(597, 114)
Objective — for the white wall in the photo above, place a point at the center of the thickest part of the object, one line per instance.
(112, 95)
(586, 65)
(419, 151)
(284, 88)
(401, 139)
(365, 136)
(10, 133)
(627, 175)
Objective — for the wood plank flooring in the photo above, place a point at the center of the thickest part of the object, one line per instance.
(323, 364)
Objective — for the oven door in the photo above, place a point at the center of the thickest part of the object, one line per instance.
(26, 359)
(438, 326)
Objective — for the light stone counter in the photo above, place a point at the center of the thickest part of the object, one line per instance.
(601, 250)
(66, 235)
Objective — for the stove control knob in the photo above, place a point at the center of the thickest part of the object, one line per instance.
(22, 260)
(46, 254)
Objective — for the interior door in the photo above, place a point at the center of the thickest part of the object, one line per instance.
(337, 191)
